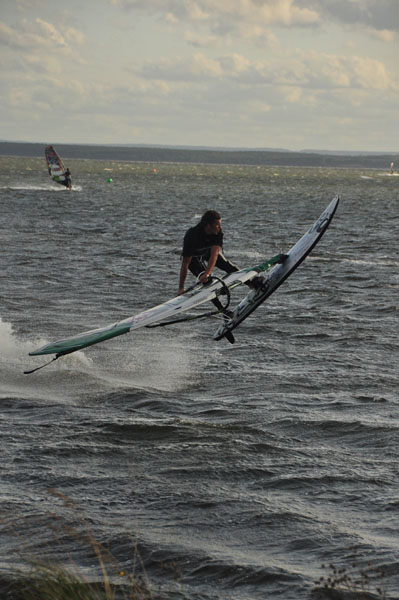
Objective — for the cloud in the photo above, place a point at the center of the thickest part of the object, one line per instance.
(37, 36)
(51, 94)
(326, 71)
(200, 41)
(37, 47)
(254, 34)
(25, 5)
(197, 67)
(73, 36)
(48, 65)
(301, 69)
(254, 17)
(377, 15)
(384, 35)
(226, 72)
(304, 88)
(15, 39)
(225, 16)
(55, 38)
(51, 33)
(256, 21)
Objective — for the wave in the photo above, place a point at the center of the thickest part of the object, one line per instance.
(95, 371)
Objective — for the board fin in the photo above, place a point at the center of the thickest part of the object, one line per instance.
(230, 337)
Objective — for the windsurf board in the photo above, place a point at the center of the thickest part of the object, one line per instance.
(268, 283)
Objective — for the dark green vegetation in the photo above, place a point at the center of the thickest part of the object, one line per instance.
(58, 577)
(202, 155)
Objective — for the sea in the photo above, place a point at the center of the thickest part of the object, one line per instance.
(213, 471)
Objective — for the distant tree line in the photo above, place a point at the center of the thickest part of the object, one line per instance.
(203, 155)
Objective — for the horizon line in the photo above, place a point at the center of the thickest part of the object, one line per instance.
(210, 148)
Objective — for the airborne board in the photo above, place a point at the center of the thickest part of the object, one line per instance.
(192, 298)
(271, 281)
(55, 166)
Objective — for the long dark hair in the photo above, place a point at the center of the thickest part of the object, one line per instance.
(209, 217)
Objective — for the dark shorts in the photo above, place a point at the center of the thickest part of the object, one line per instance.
(197, 264)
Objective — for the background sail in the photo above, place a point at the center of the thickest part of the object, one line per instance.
(55, 166)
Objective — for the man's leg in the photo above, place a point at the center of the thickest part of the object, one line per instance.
(197, 266)
(225, 265)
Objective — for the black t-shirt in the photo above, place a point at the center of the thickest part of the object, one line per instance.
(197, 241)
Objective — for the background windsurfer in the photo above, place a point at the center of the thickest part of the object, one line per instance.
(68, 179)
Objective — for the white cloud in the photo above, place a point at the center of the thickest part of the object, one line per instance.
(204, 66)
(292, 94)
(238, 72)
(260, 106)
(301, 70)
(25, 5)
(197, 67)
(34, 63)
(39, 36)
(333, 71)
(201, 41)
(385, 35)
(226, 16)
(73, 36)
(51, 33)
(11, 37)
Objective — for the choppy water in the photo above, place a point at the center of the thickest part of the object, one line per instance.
(248, 465)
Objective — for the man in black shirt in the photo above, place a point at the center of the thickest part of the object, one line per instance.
(204, 242)
(68, 179)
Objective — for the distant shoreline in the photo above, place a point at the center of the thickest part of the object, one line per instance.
(158, 154)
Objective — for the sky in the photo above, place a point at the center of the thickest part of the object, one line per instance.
(293, 74)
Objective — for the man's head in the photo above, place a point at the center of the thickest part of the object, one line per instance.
(211, 222)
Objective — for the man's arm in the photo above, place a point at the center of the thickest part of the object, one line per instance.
(211, 263)
(183, 273)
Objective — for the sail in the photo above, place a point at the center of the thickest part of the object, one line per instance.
(56, 168)
(193, 297)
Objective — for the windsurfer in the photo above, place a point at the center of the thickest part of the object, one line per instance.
(202, 244)
(68, 179)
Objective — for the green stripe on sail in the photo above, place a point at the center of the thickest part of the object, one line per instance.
(275, 260)
(82, 341)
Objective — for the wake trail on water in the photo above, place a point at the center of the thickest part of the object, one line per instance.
(152, 363)
(40, 188)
